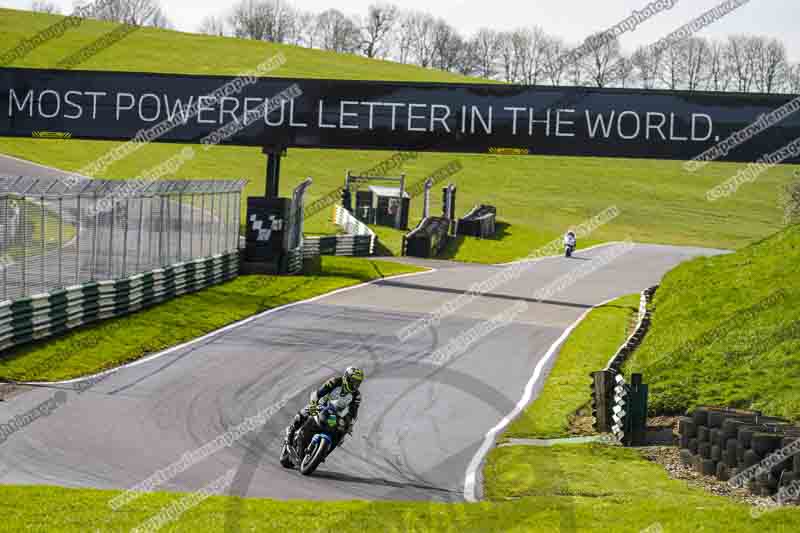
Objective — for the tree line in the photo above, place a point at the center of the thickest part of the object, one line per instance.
(527, 55)
(133, 12)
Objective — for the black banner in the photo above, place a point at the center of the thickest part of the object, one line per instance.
(483, 118)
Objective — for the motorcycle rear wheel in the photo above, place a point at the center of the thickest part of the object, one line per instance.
(313, 459)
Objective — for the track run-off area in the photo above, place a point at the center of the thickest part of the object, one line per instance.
(425, 423)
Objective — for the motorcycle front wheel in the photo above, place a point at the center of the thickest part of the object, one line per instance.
(286, 459)
(314, 457)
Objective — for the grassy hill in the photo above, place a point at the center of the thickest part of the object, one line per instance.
(155, 50)
(538, 197)
(726, 331)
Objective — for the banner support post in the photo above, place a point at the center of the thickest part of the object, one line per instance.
(274, 155)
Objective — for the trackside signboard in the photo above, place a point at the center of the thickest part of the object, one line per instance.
(499, 119)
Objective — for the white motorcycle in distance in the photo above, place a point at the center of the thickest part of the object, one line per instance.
(570, 242)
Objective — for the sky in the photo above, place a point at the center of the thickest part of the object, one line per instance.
(571, 19)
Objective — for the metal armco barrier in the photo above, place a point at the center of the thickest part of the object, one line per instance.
(49, 314)
(428, 239)
(479, 222)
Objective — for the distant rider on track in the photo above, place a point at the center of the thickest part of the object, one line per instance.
(342, 392)
(570, 242)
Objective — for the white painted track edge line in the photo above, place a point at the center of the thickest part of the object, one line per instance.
(471, 485)
(221, 330)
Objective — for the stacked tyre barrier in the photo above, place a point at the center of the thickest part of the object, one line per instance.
(428, 239)
(347, 245)
(743, 448)
(479, 222)
(295, 261)
(358, 240)
(45, 315)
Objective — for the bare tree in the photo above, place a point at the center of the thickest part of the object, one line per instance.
(719, 75)
(601, 61)
(695, 55)
(212, 25)
(555, 66)
(337, 32)
(508, 56)
(421, 37)
(647, 66)
(250, 20)
(486, 44)
(262, 20)
(403, 38)
(530, 45)
(625, 71)
(770, 65)
(134, 12)
(741, 58)
(467, 58)
(447, 46)
(672, 68)
(303, 31)
(375, 30)
(44, 6)
(793, 79)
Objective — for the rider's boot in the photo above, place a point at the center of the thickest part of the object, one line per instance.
(293, 427)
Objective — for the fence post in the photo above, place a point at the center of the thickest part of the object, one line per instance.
(191, 226)
(94, 236)
(23, 224)
(180, 226)
(161, 231)
(227, 216)
(6, 246)
(125, 237)
(602, 388)
(638, 410)
(238, 217)
(202, 219)
(211, 237)
(78, 242)
(44, 247)
(167, 228)
(112, 215)
(139, 236)
(60, 238)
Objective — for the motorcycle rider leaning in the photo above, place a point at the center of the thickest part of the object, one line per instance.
(342, 391)
(570, 239)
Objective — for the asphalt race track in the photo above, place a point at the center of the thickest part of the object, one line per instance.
(420, 425)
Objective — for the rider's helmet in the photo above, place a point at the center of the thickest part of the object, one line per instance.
(352, 378)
